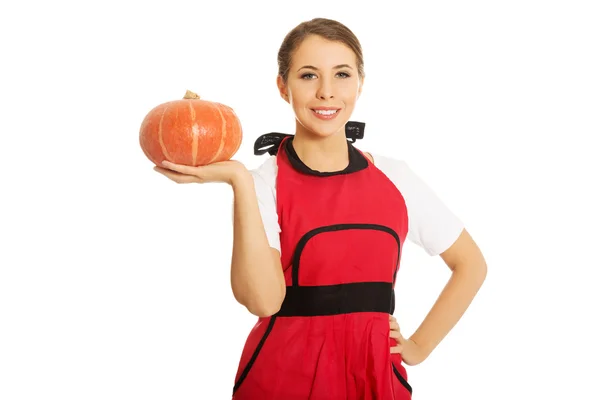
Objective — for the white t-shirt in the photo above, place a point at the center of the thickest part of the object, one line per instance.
(431, 224)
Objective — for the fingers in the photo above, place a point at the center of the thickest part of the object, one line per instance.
(394, 323)
(176, 176)
(182, 169)
(396, 335)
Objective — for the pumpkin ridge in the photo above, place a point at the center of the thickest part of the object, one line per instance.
(239, 143)
(195, 132)
(223, 133)
(160, 136)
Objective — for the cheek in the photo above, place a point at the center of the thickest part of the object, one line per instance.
(350, 99)
(350, 91)
(295, 98)
(299, 103)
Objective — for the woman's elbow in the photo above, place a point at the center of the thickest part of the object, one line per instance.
(267, 307)
(265, 310)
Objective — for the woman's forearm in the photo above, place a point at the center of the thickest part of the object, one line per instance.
(257, 278)
(450, 306)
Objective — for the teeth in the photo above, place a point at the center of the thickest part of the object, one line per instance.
(326, 112)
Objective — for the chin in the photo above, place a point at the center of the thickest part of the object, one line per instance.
(323, 133)
(324, 130)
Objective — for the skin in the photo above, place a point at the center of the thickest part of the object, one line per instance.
(322, 146)
(315, 79)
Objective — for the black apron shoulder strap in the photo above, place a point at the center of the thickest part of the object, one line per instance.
(270, 142)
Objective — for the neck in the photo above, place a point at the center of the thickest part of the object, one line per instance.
(324, 154)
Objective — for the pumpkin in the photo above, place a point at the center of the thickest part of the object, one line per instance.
(190, 131)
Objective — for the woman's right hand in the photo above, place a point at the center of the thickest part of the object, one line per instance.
(223, 171)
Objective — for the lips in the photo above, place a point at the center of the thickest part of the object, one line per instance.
(325, 113)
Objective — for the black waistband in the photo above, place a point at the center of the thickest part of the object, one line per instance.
(310, 301)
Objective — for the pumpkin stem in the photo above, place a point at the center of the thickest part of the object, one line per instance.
(190, 95)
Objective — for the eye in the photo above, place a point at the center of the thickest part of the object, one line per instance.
(344, 74)
(308, 76)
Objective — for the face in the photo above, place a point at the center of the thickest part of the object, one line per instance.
(323, 86)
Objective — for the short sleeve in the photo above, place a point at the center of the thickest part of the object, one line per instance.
(264, 184)
(431, 224)
(268, 209)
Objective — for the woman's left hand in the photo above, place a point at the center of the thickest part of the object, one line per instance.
(411, 353)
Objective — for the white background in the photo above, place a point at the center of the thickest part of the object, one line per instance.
(114, 281)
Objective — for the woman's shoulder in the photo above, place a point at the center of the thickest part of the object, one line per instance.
(399, 171)
(393, 167)
(432, 225)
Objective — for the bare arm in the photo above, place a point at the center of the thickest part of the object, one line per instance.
(469, 270)
(257, 277)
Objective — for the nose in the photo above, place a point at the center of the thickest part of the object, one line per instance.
(325, 90)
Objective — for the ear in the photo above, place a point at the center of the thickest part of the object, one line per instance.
(282, 87)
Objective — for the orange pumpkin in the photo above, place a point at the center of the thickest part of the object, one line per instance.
(191, 132)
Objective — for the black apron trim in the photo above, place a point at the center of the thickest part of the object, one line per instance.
(357, 161)
(312, 301)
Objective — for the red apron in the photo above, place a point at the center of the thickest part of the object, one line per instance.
(341, 241)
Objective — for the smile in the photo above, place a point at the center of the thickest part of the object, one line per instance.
(325, 114)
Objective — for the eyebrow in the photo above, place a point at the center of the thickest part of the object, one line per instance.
(316, 69)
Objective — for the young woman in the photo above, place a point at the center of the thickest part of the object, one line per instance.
(318, 235)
